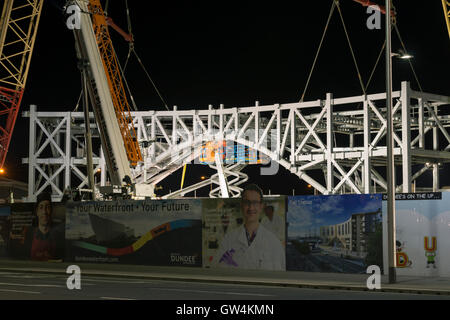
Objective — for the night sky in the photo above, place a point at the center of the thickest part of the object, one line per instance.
(235, 53)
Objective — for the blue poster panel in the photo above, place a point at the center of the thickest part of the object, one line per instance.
(334, 233)
(422, 233)
(245, 233)
(161, 232)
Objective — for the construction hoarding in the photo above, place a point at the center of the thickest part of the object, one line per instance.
(334, 233)
(226, 243)
(422, 234)
(162, 232)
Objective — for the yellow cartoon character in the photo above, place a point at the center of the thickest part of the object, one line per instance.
(402, 258)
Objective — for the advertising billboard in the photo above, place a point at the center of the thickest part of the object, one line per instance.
(334, 233)
(422, 234)
(36, 230)
(244, 233)
(161, 232)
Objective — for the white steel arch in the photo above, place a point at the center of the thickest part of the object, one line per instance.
(341, 137)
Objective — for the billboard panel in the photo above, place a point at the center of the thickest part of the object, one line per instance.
(334, 233)
(162, 232)
(36, 231)
(227, 242)
(422, 234)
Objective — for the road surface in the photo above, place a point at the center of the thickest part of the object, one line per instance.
(34, 286)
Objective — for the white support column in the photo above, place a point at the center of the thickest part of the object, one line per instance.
(421, 125)
(58, 142)
(68, 151)
(435, 165)
(278, 138)
(330, 142)
(256, 124)
(236, 122)
(222, 178)
(292, 114)
(31, 154)
(210, 119)
(367, 140)
(153, 138)
(194, 124)
(174, 126)
(221, 133)
(406, 137)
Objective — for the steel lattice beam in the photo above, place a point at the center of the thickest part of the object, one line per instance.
(301, 137)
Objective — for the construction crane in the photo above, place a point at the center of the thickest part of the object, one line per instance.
(446, 7)
(18, 26)
(113, 73)
(107, 96)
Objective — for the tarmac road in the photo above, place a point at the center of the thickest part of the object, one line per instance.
(35, 286)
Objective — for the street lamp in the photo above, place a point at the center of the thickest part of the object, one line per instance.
(402, 55)
(390, 153)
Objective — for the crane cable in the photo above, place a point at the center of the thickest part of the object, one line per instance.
(132, 50)
(351, 48)
(333, 6)
(318, 50)
(409, 60)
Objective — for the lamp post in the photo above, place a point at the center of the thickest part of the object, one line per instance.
(390, 154)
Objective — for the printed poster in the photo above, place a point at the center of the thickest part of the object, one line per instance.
(224, 221)
(161, 232)
(422, 234)
(36, 232)
(334, 233)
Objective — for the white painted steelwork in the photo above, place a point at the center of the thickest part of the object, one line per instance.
(343, 138)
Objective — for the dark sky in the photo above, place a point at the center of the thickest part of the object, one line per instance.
(234, 53)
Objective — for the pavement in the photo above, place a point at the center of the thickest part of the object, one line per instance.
(404, 284)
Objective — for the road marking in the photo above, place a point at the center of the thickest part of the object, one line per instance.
(117, 281)
(115, 298)
(220, 292)
(20, 291)
(32, 285)
(15, 275)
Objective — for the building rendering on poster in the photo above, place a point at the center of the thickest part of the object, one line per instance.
(226, 242)
(422, 234)
(334, 233)
(163, 232)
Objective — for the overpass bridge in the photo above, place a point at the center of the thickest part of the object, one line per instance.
(342, 138)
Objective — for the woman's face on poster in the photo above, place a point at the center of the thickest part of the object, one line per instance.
(44, 211)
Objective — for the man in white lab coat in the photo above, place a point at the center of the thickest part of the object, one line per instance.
(251, 245)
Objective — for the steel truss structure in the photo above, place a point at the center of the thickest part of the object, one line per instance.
(337, 145)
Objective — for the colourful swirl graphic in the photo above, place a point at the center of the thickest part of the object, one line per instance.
(152, 234)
